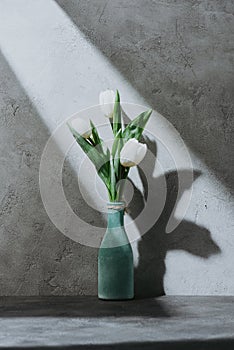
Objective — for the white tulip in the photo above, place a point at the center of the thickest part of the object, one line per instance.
(132, 153)
(106, 100)
(82, 126)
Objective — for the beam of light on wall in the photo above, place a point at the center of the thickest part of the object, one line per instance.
(63, 73)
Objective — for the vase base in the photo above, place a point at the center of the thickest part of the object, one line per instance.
(115, 299)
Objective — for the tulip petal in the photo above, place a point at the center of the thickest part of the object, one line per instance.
(141, 152)
(106, 100)
(82, 126)
(132, 153)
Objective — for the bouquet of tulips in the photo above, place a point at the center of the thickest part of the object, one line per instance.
(112, 165)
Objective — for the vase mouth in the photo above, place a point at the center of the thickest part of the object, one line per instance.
(119, 205)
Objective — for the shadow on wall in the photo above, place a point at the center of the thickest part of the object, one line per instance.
(179, 57)
(155, 243)
(35, 257)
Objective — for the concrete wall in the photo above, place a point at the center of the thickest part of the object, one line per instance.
(173, 56)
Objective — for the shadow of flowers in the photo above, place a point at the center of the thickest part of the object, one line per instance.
(155, 243)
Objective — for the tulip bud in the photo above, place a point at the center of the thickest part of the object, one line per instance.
(82, 126)
(132, 153)
(106, 100)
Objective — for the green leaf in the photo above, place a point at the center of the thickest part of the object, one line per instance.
(116, 148)
(98, 159)
(98, 143)
(96, 138)
(113, 181)
(115, 143)
(108, 160)
(117, 125)
(136, 127)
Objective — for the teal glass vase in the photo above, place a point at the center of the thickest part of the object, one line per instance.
(115, 258)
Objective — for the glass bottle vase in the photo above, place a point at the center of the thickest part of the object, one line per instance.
(115, 258)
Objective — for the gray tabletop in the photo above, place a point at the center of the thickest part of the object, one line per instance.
(169, 322)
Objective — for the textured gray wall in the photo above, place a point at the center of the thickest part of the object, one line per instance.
(179, 56)
(35, 257)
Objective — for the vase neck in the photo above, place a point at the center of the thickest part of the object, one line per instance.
(115, 216)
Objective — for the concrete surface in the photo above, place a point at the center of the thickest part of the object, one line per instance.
(35, 256)
(174, 56)
(87, 323)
